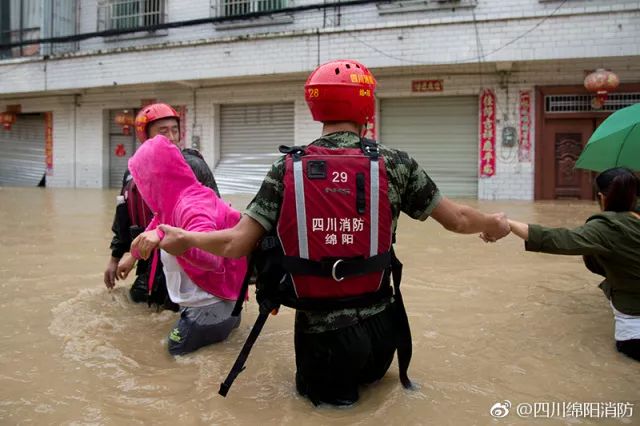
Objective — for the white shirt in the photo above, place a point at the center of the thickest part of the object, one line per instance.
(627, 326)
(181, 289)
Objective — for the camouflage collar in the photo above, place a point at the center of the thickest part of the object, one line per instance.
(339, 140)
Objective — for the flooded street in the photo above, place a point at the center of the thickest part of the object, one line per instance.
(489, 322)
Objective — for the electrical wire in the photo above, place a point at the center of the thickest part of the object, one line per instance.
(465, 60)
(188, 23)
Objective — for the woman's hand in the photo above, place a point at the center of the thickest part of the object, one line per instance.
(125, 266)
(498, 228)
(520, 229)
(110, 272)
(145, 244)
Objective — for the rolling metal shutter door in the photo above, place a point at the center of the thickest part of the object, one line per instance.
(22, 157)
(441, 134)
(250, 136)
(118, 165)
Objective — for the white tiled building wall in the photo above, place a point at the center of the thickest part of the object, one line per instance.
(208, 65)
(513, 179)
(387, 40)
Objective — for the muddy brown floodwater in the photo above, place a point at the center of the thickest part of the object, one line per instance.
(490, 323)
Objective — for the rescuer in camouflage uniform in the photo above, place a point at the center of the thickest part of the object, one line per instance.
(338, 350)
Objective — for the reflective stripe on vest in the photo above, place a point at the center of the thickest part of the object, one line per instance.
(374, 190)
(301, 212)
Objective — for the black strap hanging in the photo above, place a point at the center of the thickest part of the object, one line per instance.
(238, 366)
(403, 331)
(245, 287)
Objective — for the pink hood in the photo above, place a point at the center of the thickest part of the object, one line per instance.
(173, 193)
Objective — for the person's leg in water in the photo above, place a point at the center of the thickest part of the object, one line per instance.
(202, 326)
(332, 364)
(159, 295)
(630, 348)
(139, 289)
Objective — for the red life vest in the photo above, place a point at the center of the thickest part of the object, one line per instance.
(140, 215)
(335, 231)
(335, 223)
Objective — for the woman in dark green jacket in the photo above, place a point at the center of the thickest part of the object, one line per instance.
(610, 242)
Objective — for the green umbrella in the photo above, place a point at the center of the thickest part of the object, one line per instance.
(615, 143)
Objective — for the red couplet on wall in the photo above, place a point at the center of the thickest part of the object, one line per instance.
(487, 133)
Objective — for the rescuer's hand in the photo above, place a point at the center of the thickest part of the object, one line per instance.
(175, 240)
(498, 228)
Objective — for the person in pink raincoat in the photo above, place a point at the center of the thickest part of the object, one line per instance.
(204, 285)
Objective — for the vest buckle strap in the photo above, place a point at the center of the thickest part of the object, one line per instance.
(333, 271)
(337, 269)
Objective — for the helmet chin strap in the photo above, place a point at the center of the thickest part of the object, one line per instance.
(363, 129)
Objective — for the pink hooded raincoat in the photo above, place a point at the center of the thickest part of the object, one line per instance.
(173, 193)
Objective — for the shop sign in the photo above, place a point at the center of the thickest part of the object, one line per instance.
(427, 86)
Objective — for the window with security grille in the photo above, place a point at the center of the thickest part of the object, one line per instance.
(245, 7)
(584, 103)
(127, 14)
(22, 21)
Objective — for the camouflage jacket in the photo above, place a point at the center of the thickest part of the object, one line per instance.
(411, 191)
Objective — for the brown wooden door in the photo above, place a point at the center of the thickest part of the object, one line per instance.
(563, 141)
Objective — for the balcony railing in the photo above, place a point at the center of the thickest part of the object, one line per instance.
(231, 8)
(128, 14)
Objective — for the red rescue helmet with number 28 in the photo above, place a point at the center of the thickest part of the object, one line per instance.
(341, 90)
(151, 113)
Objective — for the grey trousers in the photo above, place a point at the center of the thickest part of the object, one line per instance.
(202, 326)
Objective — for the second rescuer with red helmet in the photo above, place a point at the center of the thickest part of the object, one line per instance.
(133, 215)
(158, 119)
(326, 215)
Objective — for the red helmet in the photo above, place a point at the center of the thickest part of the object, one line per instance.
(341, 90)
(149, 114)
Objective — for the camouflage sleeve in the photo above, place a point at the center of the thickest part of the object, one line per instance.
(421, 195)
(265, 206)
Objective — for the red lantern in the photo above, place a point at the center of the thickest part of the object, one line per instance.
(7, 118)
(601, 82)
(125, 119)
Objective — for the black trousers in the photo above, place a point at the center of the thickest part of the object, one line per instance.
(630, 348)
(139, 290)
(332, 365)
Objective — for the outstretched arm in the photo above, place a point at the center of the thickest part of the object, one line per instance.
(588, 239)
(463, 219)
(592, 238)
(520, 229)
(233, 242)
